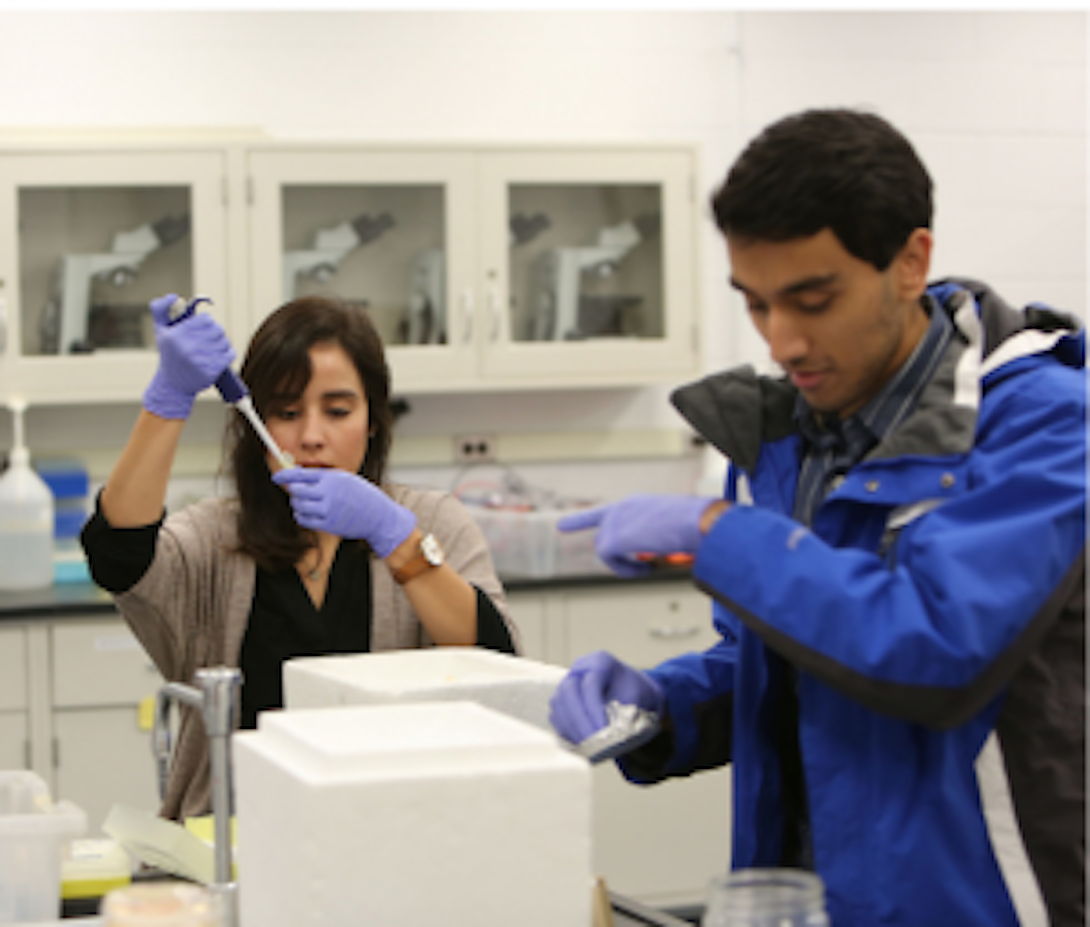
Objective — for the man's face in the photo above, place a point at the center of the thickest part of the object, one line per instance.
(839, 327)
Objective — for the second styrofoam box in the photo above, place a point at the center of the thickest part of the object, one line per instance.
(514, 685)
(410, 816)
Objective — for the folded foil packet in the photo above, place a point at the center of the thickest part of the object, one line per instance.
(629, 726)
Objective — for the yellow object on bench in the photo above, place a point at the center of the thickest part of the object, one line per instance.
(94, 867)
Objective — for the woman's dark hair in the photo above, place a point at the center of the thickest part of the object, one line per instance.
(840, 169)
(277, 369)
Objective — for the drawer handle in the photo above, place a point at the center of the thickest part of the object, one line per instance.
(671, 633)
(495, 310)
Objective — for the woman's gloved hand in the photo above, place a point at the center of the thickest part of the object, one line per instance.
(347, 505)
(642, 525)
(578, 708)
(192, 355)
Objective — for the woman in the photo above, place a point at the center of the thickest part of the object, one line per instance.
(322, 557)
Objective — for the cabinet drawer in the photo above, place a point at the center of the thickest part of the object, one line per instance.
(14, 752)
(13, 659)
(99, 663)
(103, 757)
(642, 626)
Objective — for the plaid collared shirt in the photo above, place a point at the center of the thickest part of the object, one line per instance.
(831, 446)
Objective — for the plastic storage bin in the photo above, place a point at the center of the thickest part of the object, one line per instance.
(527, 543)
(70, 484)
(34, 834)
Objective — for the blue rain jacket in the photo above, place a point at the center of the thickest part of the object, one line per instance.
(937, 597)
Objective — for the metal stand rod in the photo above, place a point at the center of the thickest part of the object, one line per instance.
(216, 696)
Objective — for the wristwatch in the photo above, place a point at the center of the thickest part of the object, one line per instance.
(427, 557)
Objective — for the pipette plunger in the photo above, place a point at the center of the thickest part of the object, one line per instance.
(231, 388)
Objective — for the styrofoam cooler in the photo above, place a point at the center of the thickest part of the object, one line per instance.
(410, 815)
(514, 685)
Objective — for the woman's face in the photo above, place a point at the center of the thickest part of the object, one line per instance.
(328, 425)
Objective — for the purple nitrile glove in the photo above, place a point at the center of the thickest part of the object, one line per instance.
(347, 505)
(192, 355)
(578, 709)
(642, 525)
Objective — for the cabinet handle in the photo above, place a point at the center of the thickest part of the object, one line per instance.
(3, 322)
(467, 314)
(494, 309)
(664, 632)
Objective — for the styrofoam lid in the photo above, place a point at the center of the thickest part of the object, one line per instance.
(439, 667)
(400, 739)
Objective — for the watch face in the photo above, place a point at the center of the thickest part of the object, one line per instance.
(431, 550)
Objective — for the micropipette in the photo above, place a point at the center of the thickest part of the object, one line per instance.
(231, 387)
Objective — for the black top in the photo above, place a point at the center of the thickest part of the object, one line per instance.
(283, 621)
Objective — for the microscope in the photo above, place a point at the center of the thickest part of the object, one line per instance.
(558, 277)
(64, 325)
(331, 246)
(427, 317)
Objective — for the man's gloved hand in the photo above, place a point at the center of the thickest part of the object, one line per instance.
(578, 709)
(347, 505)
(192, 355)
(648, 524)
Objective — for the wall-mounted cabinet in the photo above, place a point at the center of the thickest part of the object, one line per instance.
(484, 268)
(490, 268)
(390, 231)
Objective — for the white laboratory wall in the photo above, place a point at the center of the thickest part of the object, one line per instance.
(996, 105)
(996, 102)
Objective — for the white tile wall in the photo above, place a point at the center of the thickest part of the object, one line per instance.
(996, 103)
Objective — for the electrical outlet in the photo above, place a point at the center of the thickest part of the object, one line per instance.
(474, 448)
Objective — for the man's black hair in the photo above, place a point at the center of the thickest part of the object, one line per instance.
(840, 169)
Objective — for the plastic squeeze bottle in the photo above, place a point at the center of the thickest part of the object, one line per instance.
(26, 517)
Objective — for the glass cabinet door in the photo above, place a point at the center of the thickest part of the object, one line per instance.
(90, 260)
(593, 257)
(379, 247)
(383, 231)
(94, 236)
(585, 261)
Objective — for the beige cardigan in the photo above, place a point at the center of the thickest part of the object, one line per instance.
(191, 608)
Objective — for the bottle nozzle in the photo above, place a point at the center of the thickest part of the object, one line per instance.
(17, 404)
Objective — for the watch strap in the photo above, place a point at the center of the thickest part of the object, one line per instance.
(414, 567)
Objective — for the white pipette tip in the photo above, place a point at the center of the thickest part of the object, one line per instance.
(246, 407)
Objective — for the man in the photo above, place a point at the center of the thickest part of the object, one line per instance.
(897, 567)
